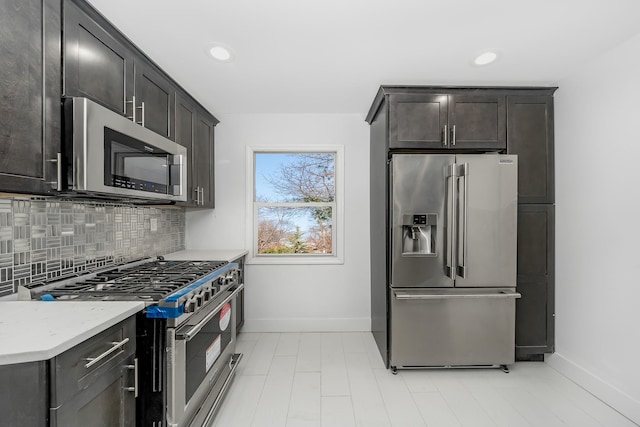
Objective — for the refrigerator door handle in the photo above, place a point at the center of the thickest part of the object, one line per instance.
(461, 264)
(427, 296)
(451, 190)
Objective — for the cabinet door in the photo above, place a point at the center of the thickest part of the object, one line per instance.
(417, 121)
(105, 403)
(96, 65)
(204, 158)
(155, 100)
(93, 383)
(30, 87)
(535, 310)
(185, 136)
(530, 136)
(477, 121)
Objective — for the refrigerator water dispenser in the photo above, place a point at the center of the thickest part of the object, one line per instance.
(419, 234)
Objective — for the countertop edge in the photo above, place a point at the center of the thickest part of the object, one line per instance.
(66, 344)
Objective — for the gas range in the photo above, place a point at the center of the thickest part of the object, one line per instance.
(185, 335)
(170, 289)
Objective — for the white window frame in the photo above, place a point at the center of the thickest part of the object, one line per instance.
(338, 210)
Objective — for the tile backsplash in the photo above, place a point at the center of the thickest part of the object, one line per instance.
(43, 239)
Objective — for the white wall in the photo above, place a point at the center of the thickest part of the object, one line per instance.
(598, 227)
(293, 297)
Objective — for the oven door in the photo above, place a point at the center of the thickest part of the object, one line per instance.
(200, 353)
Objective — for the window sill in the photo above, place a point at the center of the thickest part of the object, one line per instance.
(295, 260)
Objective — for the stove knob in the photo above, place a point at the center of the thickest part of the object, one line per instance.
(207, 294)
(190, 306)
(200, 299)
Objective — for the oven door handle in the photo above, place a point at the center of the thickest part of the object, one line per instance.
(188, 335)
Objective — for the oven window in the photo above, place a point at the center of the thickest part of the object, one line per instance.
(205, 348)
(132, 164)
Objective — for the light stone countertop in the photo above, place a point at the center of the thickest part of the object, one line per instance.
(206, 255)
(39, 330)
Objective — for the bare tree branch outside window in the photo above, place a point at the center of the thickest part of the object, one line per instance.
(295, 203)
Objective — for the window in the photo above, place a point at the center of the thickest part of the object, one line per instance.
(295, 200)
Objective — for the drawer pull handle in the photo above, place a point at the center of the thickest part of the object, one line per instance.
(93, 360)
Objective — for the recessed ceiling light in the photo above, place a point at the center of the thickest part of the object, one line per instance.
(485, 58)
(220, 53)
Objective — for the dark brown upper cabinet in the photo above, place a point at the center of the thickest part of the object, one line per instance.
(195, 131)
(100, 64)
(185, 136)
(203, 154)
(96, 64)
(530, 136)
(30, 86)
(447, 121)
(155, 100)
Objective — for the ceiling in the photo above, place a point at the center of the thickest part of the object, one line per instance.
(330, 56)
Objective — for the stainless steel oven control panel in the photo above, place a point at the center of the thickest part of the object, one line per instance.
(192, 298)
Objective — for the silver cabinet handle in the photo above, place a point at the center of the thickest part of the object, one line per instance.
(197, 190)
(198, 326)
(116, 345)
(134, 389)
(453, 135)
(132, 117)
(445, 136)
(202, 196)
(57, 185)
(141, 107)
(412, 296)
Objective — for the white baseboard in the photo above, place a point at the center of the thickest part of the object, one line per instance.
(307, 325)
(609, 394)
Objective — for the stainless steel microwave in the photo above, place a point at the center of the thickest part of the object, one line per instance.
(107, 155)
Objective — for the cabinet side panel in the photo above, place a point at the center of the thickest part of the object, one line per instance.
(379, 240)
(24, 399)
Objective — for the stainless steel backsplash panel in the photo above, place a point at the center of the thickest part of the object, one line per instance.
(42, 239)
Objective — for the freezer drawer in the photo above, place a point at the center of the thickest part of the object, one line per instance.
(452, 327)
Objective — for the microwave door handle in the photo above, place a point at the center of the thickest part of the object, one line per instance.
(175, 173)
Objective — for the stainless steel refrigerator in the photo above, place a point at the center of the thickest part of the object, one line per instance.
(453, 228)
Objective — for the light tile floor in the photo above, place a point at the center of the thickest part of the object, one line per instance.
(339, 380)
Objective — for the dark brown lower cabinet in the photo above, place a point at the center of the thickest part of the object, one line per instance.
(89, 385)
(535, 310)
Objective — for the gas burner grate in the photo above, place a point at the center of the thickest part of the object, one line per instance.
(147, 282)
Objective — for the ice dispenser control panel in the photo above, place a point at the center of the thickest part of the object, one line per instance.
(419, 219)
(419, 234)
